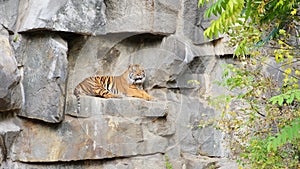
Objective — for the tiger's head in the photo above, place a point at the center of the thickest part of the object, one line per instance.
(136, 74)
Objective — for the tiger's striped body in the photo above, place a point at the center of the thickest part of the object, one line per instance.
(127, 84)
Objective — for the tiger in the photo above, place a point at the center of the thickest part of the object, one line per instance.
(130, 83)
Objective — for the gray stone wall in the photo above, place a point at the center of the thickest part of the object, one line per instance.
(48, 47)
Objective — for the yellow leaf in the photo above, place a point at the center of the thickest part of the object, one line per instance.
(227, 106)
(295, 86)
(278, 57)
(193, 82)
(288, 71)
(294, 11)
(281, 31)
(258, 92)
(232, 113)
(280, 42)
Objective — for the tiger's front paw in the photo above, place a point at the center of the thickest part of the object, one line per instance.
(113, 96)
(149, 98)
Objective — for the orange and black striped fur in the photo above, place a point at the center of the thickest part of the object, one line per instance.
(128, 84)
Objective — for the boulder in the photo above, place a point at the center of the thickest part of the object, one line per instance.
(142, 16)
(62, 15)
(8, 133)
(98, 18)
(144, 162)
(190, 115)
(10, 88)
(103, 135)
(9, 14)
(134, 107)
(156, 161)
(196, 162)
(45, 72)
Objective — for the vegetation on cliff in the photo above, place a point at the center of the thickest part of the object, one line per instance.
(261, 113)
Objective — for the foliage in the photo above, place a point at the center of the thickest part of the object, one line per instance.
(274, 152)
(274, 13)
(229, 11)
(288, 97)
(16, 38)
(260, 157)
(168, 164)
(262, 130)
(287, 134)
(260, 112)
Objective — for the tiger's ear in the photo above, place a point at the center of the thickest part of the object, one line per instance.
(129, 66)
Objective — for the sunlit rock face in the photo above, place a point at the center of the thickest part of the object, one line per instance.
(48, 47)
(10, 89)
(44, 62)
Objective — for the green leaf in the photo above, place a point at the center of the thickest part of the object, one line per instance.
(208, 13)
(219, 8)
(288, 133)
(223, 4)
(297, 95)
(225, 73)
(230, 6)
(273, 99)
(290, 99)
(290, 96)
(280, 101)
(200, 3)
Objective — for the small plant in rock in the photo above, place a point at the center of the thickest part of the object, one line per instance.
(168, 164)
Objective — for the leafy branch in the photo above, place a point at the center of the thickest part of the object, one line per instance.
(229, 12)
(287, 134)
(263, 130)
(289, 97)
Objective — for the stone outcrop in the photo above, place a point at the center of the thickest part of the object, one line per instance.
(10, 90)
(9, 14)
(107, 132)
(48, 47)
(45, 73)
(8, 133)
(83, 17)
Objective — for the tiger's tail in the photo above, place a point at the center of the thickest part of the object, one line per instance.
(76, 93)
(78, 104)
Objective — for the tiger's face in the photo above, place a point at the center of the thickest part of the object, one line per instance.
(136, 74)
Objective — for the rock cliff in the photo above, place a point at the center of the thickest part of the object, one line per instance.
(49, 46)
